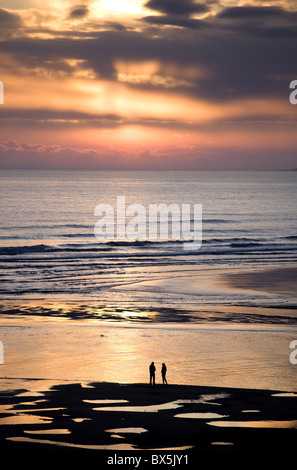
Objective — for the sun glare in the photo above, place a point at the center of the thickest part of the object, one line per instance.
(116, 7)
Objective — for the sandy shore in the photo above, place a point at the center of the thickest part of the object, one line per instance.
(279, 281)
(110, 417)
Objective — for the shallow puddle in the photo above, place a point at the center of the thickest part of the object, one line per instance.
(34, 410)
(255, 424)
(222, 443)
(24, 419)
(250, 411)
(201, 415)
(6, 408)
(143, 409)
(127, 430)
(105, 401)
(212, 396)
(120, 447)
(284, 394)
(172, 448)
(68, 444)
(31, 394)
(80, 420)
(49, 431)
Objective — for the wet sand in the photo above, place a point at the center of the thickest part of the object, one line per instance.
(226, 422)
(278, 281)
(174, 419)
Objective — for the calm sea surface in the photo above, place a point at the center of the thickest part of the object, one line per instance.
(140, 295)
(48, 247)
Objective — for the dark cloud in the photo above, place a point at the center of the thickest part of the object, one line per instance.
(240, 64)
(172, 20)
(79, 11)
(252, 12)
(114, 25)
(9, 20)
(260, 22)
(270, 32)
(177, 7)
(243, 58)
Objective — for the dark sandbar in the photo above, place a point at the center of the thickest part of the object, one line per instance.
(69, 418)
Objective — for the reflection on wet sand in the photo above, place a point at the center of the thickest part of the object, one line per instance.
(24, 419)
(106, 401)
(49, 431)
(142, 409)
(283, 394)
(68, 444)
(256, 424)
(222, 443)
(200, 415)
(127, 430)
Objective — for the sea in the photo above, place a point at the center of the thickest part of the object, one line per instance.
(77, 307)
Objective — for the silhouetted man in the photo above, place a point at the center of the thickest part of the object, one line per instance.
(152, 373)
(163, 371)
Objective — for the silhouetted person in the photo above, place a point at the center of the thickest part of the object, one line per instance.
(152, 373)
(163, 371)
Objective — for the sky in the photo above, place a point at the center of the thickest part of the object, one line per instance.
(148, 84)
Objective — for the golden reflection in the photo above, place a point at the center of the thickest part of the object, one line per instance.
(49, 431)
(24, 419)
(68, 444)
(127, 430)
(60, 311)
(255, 424)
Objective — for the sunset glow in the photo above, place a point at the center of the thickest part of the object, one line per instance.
(120, 76)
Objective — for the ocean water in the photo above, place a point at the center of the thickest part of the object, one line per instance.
(136, 300)
(49, 250)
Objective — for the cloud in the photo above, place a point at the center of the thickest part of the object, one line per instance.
(260, 22)
(59, 78)
(177, 7)
(175, 20)
(22, 155)
(39, 156)
(240, 63)
(78, 12)
(251, 12)
(9, 20)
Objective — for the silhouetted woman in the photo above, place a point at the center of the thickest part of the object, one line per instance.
(163, 371)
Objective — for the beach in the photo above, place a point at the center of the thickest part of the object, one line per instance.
(82, 320)
(148, 175)
(114, 420)
(108, 419)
